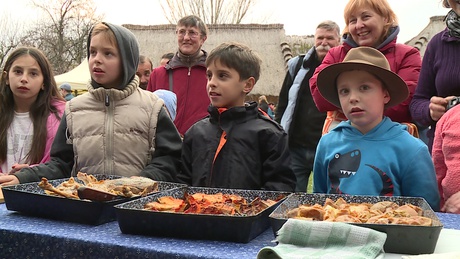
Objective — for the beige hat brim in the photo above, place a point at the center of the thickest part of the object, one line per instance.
(327, 84)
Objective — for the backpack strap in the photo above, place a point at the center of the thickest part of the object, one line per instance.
(170, 79)
(412, 129)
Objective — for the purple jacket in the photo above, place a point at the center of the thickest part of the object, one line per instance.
(439, 76)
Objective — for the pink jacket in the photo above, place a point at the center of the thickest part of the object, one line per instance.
(446, 153)
(52, 125)
(404, 60)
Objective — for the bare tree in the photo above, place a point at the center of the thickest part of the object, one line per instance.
(63, 31)
(10, 38)
(210, 11)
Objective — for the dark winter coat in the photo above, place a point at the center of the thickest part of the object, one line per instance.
(254, 156)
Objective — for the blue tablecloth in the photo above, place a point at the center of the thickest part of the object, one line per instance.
(30, 237)
(451, 221)
(23, 236)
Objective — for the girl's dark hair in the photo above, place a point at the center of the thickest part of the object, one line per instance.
(40, 109)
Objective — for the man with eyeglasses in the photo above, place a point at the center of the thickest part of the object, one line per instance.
(185, 73)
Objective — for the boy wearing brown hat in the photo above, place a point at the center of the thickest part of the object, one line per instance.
(369, 154)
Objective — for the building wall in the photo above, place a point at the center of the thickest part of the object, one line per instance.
(268, 40)
(265, 39)
(420, 41)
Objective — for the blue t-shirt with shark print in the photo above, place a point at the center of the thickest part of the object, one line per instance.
(386, 161)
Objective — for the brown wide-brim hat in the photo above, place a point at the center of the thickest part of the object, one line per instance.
(366, 59)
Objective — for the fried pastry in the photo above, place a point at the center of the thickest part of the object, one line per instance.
(384, 212)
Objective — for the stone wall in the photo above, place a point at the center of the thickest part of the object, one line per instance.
(420, 41)
(265, 39)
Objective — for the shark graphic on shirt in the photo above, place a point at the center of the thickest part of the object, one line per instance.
(346, 166)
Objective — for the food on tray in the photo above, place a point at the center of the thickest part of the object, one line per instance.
(2, 199)
(124, 186)
(219, 203)
(66, 189)
(384, 212)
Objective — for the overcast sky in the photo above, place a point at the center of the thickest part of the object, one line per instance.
(299, 17)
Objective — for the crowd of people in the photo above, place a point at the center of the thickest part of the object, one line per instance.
(349, 111)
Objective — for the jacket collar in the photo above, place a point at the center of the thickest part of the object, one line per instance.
(177, 62)
(311, 59)
(100, 93)
(446, 37)
(233, 116)
(389, 41)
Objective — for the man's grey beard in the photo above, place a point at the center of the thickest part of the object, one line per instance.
(321, 47)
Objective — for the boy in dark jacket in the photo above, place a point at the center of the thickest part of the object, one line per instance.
(236, 146)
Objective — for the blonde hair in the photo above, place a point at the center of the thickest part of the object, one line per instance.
(381, 7)
(106, 32)
(263, 98)
(445, 3)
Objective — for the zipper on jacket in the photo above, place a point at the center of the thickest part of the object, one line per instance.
(107, 99)
(74, 171)
(189, 69)
(218, 145)
(108, 160)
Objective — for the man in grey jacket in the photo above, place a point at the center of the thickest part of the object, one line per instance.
(296, 110)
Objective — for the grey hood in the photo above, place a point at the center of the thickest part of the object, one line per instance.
(129, 52)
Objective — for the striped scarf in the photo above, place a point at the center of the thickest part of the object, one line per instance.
(453, 24)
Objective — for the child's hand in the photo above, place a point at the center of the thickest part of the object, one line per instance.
(438, 106)
(452, 204)
(8, 180)
(17, 167)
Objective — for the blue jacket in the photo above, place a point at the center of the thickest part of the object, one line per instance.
(387, 161)
(68, 97)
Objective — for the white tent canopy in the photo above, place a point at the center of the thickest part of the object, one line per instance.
(78, 77)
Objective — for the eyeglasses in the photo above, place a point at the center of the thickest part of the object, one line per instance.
(191, 33)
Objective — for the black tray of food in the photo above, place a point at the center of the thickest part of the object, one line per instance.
(403, 239)
(32, 200)
(134, 219)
